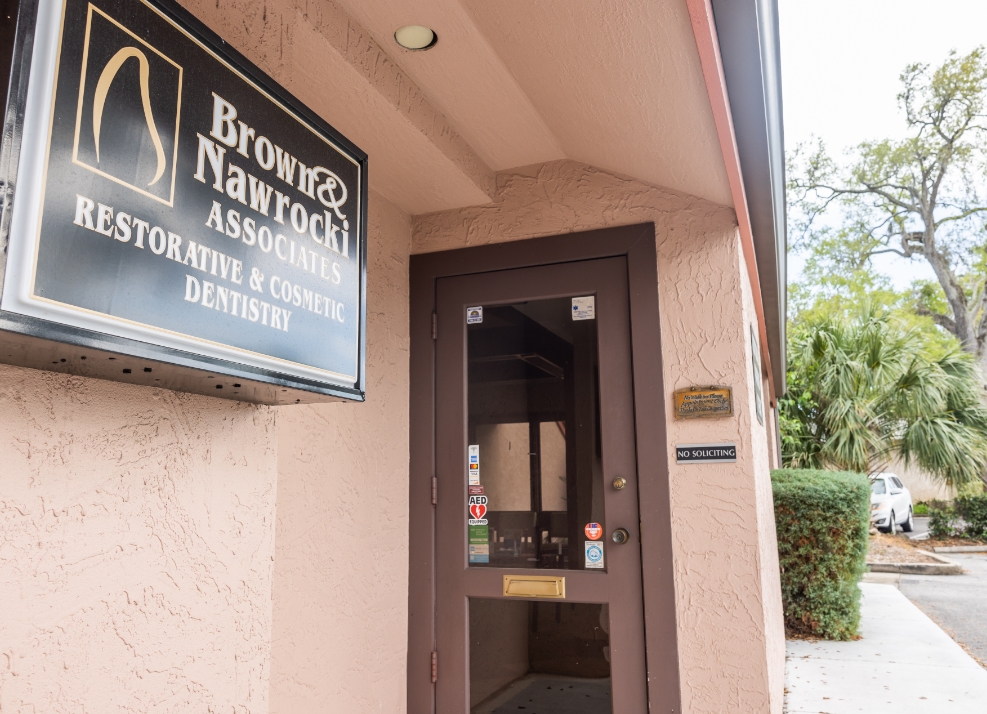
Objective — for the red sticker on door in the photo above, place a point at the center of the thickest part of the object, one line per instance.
(593, 531)
(478, 511)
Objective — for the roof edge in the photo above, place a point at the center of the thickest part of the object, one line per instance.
(749, 41)
(712, 62)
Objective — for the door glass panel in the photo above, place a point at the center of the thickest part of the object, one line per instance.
(539, 657)
(535, 494)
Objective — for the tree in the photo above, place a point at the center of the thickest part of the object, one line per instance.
(865, 391)
(832, 285)
(919, 197)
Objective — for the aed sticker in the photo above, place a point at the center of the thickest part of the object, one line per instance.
(474, 315)
(476, 490)
(477, 510)
(584, 308)
(593, 531)
(480, 553)
(594, 554)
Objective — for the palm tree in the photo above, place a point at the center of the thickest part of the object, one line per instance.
(864, 391)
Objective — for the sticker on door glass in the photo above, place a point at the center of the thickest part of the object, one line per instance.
(594, 554)
(593, 531)
(584, 308)
(477, 510)
(474, 315)
(480, 553)
(473, 470)
(476, 490)
(479, 544)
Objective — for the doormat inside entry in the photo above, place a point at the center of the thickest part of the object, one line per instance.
(548, 694)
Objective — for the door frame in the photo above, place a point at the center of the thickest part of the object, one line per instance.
(638, 244)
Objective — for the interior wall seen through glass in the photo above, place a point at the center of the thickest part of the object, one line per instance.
(534, 426)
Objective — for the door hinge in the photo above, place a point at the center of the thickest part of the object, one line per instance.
(435, 326)
(435, 666)
(435, 490)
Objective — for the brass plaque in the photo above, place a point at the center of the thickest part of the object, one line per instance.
(545, 586)
(703, 402)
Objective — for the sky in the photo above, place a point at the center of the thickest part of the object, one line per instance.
(840, 63)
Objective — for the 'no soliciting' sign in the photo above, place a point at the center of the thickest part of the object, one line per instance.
(705, 453)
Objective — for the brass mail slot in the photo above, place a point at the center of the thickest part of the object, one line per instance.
(534, 586)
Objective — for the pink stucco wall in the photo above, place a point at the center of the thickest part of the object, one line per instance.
(731, 641)
(762, 438)
(138, 566)
(136, 545)
(340, 588)
(341, 566)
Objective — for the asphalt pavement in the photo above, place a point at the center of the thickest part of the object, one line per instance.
(957, 603)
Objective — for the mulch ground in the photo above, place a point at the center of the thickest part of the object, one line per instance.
(894, 549)
(941, 542)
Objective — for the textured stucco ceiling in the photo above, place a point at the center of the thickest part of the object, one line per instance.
(612, 83)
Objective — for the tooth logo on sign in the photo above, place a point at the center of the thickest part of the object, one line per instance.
(120, 72)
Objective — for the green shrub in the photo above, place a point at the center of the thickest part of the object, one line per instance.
(823, 519)
(942, 522)
(973, 510)
(920, 509)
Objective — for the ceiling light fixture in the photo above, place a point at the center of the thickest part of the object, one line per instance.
(416, 37)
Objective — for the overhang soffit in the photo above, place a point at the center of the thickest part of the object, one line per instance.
(613, 83)
(318, 53)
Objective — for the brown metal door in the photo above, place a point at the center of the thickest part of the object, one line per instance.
(538, 560)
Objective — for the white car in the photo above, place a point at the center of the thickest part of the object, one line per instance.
(890, 503)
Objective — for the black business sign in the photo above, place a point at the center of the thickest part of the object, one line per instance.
(173, 199)
(705, 453)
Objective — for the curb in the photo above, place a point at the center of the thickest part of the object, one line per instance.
(945, 567)
(961, 549)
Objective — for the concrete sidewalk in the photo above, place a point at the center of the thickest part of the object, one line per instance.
(903, 662)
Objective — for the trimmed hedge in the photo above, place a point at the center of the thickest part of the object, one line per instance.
(823, 521)
(973, 511)
(966, 518)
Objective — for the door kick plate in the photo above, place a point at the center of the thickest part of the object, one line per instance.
(545, 586)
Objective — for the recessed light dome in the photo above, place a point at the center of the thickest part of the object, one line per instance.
(416, 37)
